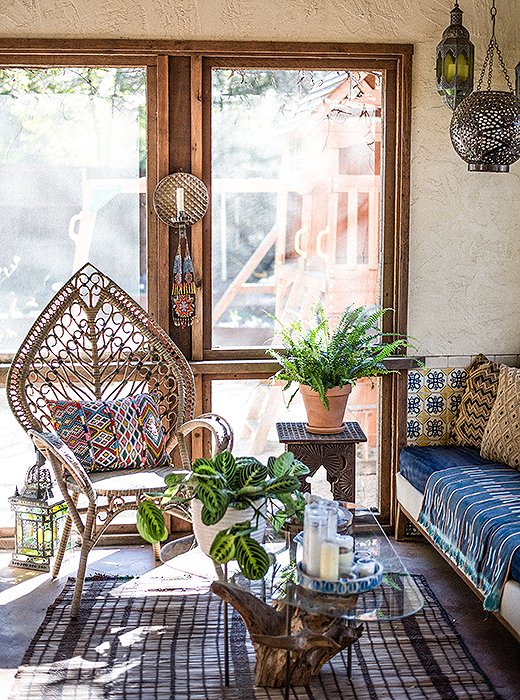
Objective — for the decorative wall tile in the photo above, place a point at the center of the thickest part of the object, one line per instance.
(434, 395)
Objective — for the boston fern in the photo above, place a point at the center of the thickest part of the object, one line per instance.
(224, 482)
(323, 357)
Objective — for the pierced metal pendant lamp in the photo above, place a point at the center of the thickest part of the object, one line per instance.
(485, 127)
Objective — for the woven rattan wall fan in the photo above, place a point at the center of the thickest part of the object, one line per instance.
(180, 200)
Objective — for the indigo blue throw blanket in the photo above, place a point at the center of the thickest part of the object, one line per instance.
(473, 514)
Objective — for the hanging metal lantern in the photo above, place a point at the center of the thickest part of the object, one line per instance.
(39, 520)
(485, 127)
(455, 61)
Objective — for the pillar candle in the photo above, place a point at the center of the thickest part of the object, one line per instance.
(180, 199)
(315, 524)
(346, 554)
(329, 561)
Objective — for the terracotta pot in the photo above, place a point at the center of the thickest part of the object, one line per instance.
(205, 534)
(321, 420)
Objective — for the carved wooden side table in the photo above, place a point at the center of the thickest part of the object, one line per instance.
(337, 454)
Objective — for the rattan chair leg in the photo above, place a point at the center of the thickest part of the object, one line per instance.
(86, 545)
(80, 579)
(156, 548)
(65, 536)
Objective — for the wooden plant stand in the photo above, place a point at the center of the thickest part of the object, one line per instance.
(291, 645)
(337, 454)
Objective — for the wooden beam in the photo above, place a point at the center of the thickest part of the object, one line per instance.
(140, 47)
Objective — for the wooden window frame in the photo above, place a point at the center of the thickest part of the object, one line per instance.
(178, 139)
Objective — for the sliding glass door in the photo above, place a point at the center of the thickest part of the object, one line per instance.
(296, 218)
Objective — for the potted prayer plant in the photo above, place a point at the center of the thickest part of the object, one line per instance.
(325, 360)
(231, 500)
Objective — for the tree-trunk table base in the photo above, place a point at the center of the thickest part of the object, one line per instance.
(310, 642)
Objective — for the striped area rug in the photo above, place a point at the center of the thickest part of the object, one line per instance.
(148, 639)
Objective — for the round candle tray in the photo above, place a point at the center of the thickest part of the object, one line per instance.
(343, 586)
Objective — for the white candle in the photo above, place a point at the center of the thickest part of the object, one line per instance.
(180, 199)
(346, 554)
(365, 567)
(329, 561)
(315, 523)
(345, 563)
(345, 542)
(312, 538)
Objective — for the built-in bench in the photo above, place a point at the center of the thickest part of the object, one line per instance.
(433, 400)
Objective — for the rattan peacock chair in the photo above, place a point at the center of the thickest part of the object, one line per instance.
(95, 346)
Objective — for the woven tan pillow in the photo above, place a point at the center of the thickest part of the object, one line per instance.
(501, 440)
(468, 426)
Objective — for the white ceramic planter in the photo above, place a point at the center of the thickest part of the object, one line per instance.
(205, 534)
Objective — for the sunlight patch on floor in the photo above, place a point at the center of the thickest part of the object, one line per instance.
(18, 582)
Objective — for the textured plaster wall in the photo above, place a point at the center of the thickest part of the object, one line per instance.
(465, 231)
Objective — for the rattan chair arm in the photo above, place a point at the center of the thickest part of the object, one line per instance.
(65, 465)
(218, 426)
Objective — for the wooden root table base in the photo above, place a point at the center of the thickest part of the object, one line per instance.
(297, 644)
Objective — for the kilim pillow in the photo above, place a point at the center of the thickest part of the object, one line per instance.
(501, 439)
(107, 435)
(467, 428)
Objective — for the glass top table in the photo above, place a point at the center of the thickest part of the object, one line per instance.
(396, 597)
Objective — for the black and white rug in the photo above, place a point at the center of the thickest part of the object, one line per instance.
(146, 639)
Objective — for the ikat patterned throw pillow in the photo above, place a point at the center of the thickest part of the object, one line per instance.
(468, 426)
(501, 439)
(109, 435)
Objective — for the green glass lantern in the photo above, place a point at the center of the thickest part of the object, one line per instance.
(39, 520)
(455, 61)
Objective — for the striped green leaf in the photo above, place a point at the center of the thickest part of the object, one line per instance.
(150, 522)
(173, 479)
(283, 464)
(214, 502)
(252, 473)
(226, 464)
(201, 463)
(251, 557)
(223, 547)
(299, 468)
(282, 484)
(211, 517)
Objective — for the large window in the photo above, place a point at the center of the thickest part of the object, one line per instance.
(305, 152)
(306, 161)
(296, 219)
(296, 196)
(72, 190)
(72, 184)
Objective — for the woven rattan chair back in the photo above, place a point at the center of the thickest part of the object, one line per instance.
(93, 341)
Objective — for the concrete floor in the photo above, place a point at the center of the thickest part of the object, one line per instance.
(24, 597)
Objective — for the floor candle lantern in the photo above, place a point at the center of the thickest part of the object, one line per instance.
(39, 519)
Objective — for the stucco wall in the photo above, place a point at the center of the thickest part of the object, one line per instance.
(465, 231)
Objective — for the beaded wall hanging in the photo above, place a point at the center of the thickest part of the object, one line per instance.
(180, 200)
